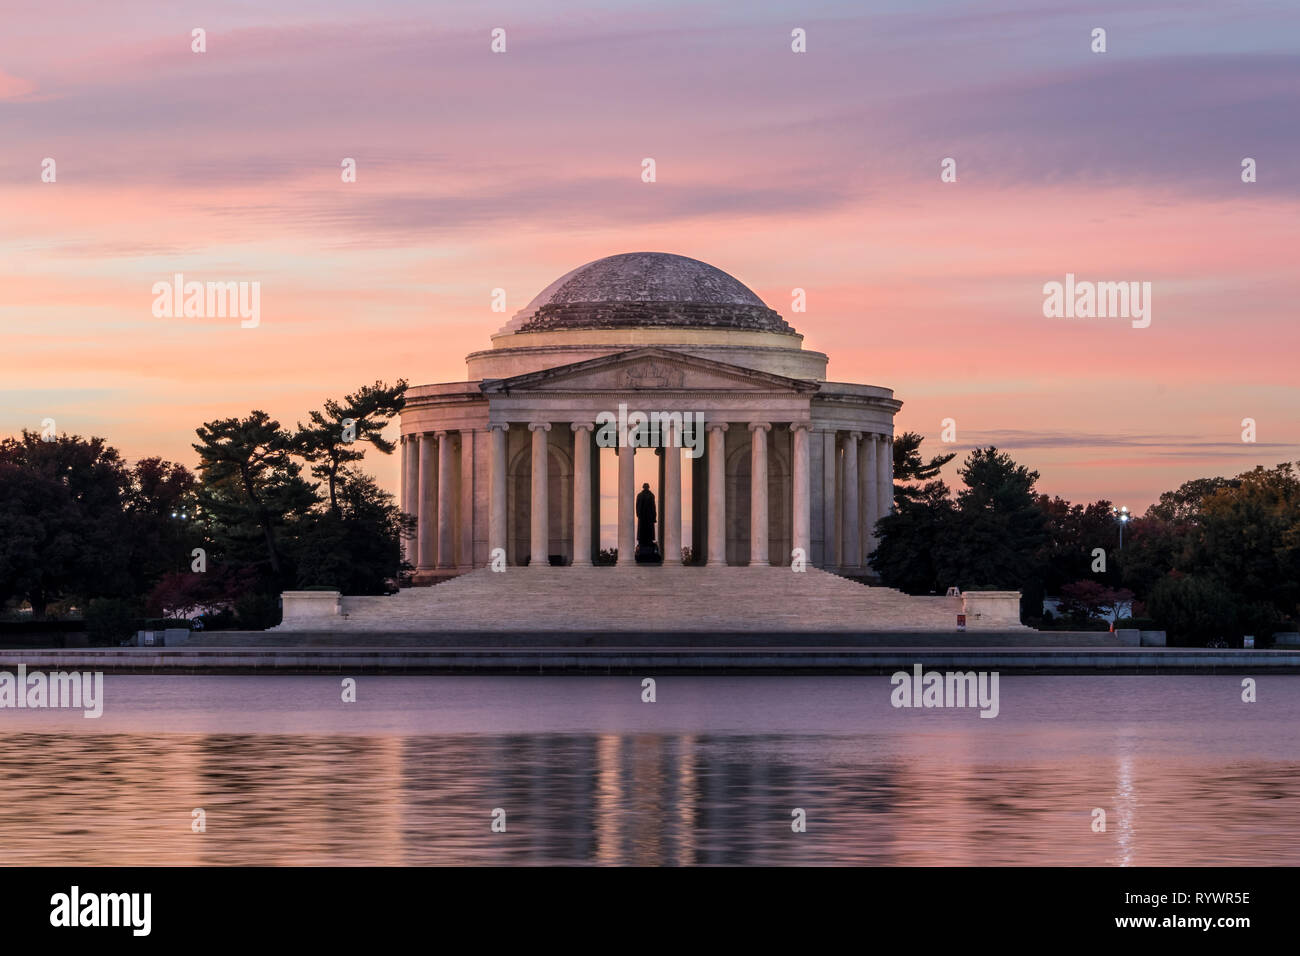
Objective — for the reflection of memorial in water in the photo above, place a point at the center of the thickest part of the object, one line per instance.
(943, 789)
(302, 799)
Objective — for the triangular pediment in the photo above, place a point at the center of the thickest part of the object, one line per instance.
(648, 370)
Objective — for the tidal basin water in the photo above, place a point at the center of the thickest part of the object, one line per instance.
(287, 773)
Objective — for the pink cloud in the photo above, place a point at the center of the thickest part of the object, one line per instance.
(15, 88)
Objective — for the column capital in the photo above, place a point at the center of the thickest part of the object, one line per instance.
(855, 436)
(441, 433)
(582, 426)
(755, 426)
(495, 426)
(801, 426)
(539, 426)
(716, 427)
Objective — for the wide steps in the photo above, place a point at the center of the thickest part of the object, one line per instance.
(644, 598)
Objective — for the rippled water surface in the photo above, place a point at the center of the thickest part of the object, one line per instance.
(587, 773)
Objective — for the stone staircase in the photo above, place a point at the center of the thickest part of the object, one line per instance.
(643, 598)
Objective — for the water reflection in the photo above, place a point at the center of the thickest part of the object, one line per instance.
(586, 773)
(625, 798)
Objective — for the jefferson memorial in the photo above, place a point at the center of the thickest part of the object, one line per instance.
(507, 463)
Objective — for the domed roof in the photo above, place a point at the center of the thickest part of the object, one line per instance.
(646, 290)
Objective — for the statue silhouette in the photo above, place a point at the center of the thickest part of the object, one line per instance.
(646, 548)
(645, 516)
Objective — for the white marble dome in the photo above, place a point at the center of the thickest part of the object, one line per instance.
(646, 290)
(646, 299)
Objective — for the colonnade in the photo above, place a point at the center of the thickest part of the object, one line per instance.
(857, 488)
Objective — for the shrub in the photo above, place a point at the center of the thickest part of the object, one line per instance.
(1195, 609)
(1138, 623)
(110, 621)
(257, 612)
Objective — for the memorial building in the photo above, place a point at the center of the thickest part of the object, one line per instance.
(645, 353)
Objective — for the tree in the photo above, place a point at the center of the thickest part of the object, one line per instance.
(61, 527)
(1090, 599)
(1194, 609)
(1185, 502)
(356, 549)
(332, 442)
(1248, 538)
(1152, 547)
(187, 593)
(160, 503)
(1003, 530)
(992, 535)
(251, 484)
(1074, 533)
(1241, 535)
(914, 539)
(910, 466)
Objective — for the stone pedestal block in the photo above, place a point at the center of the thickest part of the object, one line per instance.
(991, 608)
(310, 605)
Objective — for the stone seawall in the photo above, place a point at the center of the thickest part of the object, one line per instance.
(649, 661)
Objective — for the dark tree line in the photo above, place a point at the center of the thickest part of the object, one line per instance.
(80, 527)
(1218, 557)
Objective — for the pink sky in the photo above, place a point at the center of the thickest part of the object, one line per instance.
(817, 170)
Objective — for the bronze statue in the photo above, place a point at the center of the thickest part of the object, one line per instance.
(645, 517)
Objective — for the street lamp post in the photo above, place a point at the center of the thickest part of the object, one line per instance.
(1122, 516)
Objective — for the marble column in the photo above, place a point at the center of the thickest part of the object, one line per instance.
(446, 502)
(758, 551)
(801, 529)
(852, 531)
(626, 506)
(465, 526)
(497, 491)
(830, 530)
(871, 488)
(411, 494)
(595, 499)
(404, 499)
(885, 469)
(581, 493)
(426, 527)
(717, 452)
(671, 514)
(699, 479)
(540, 537)
(660, 459)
